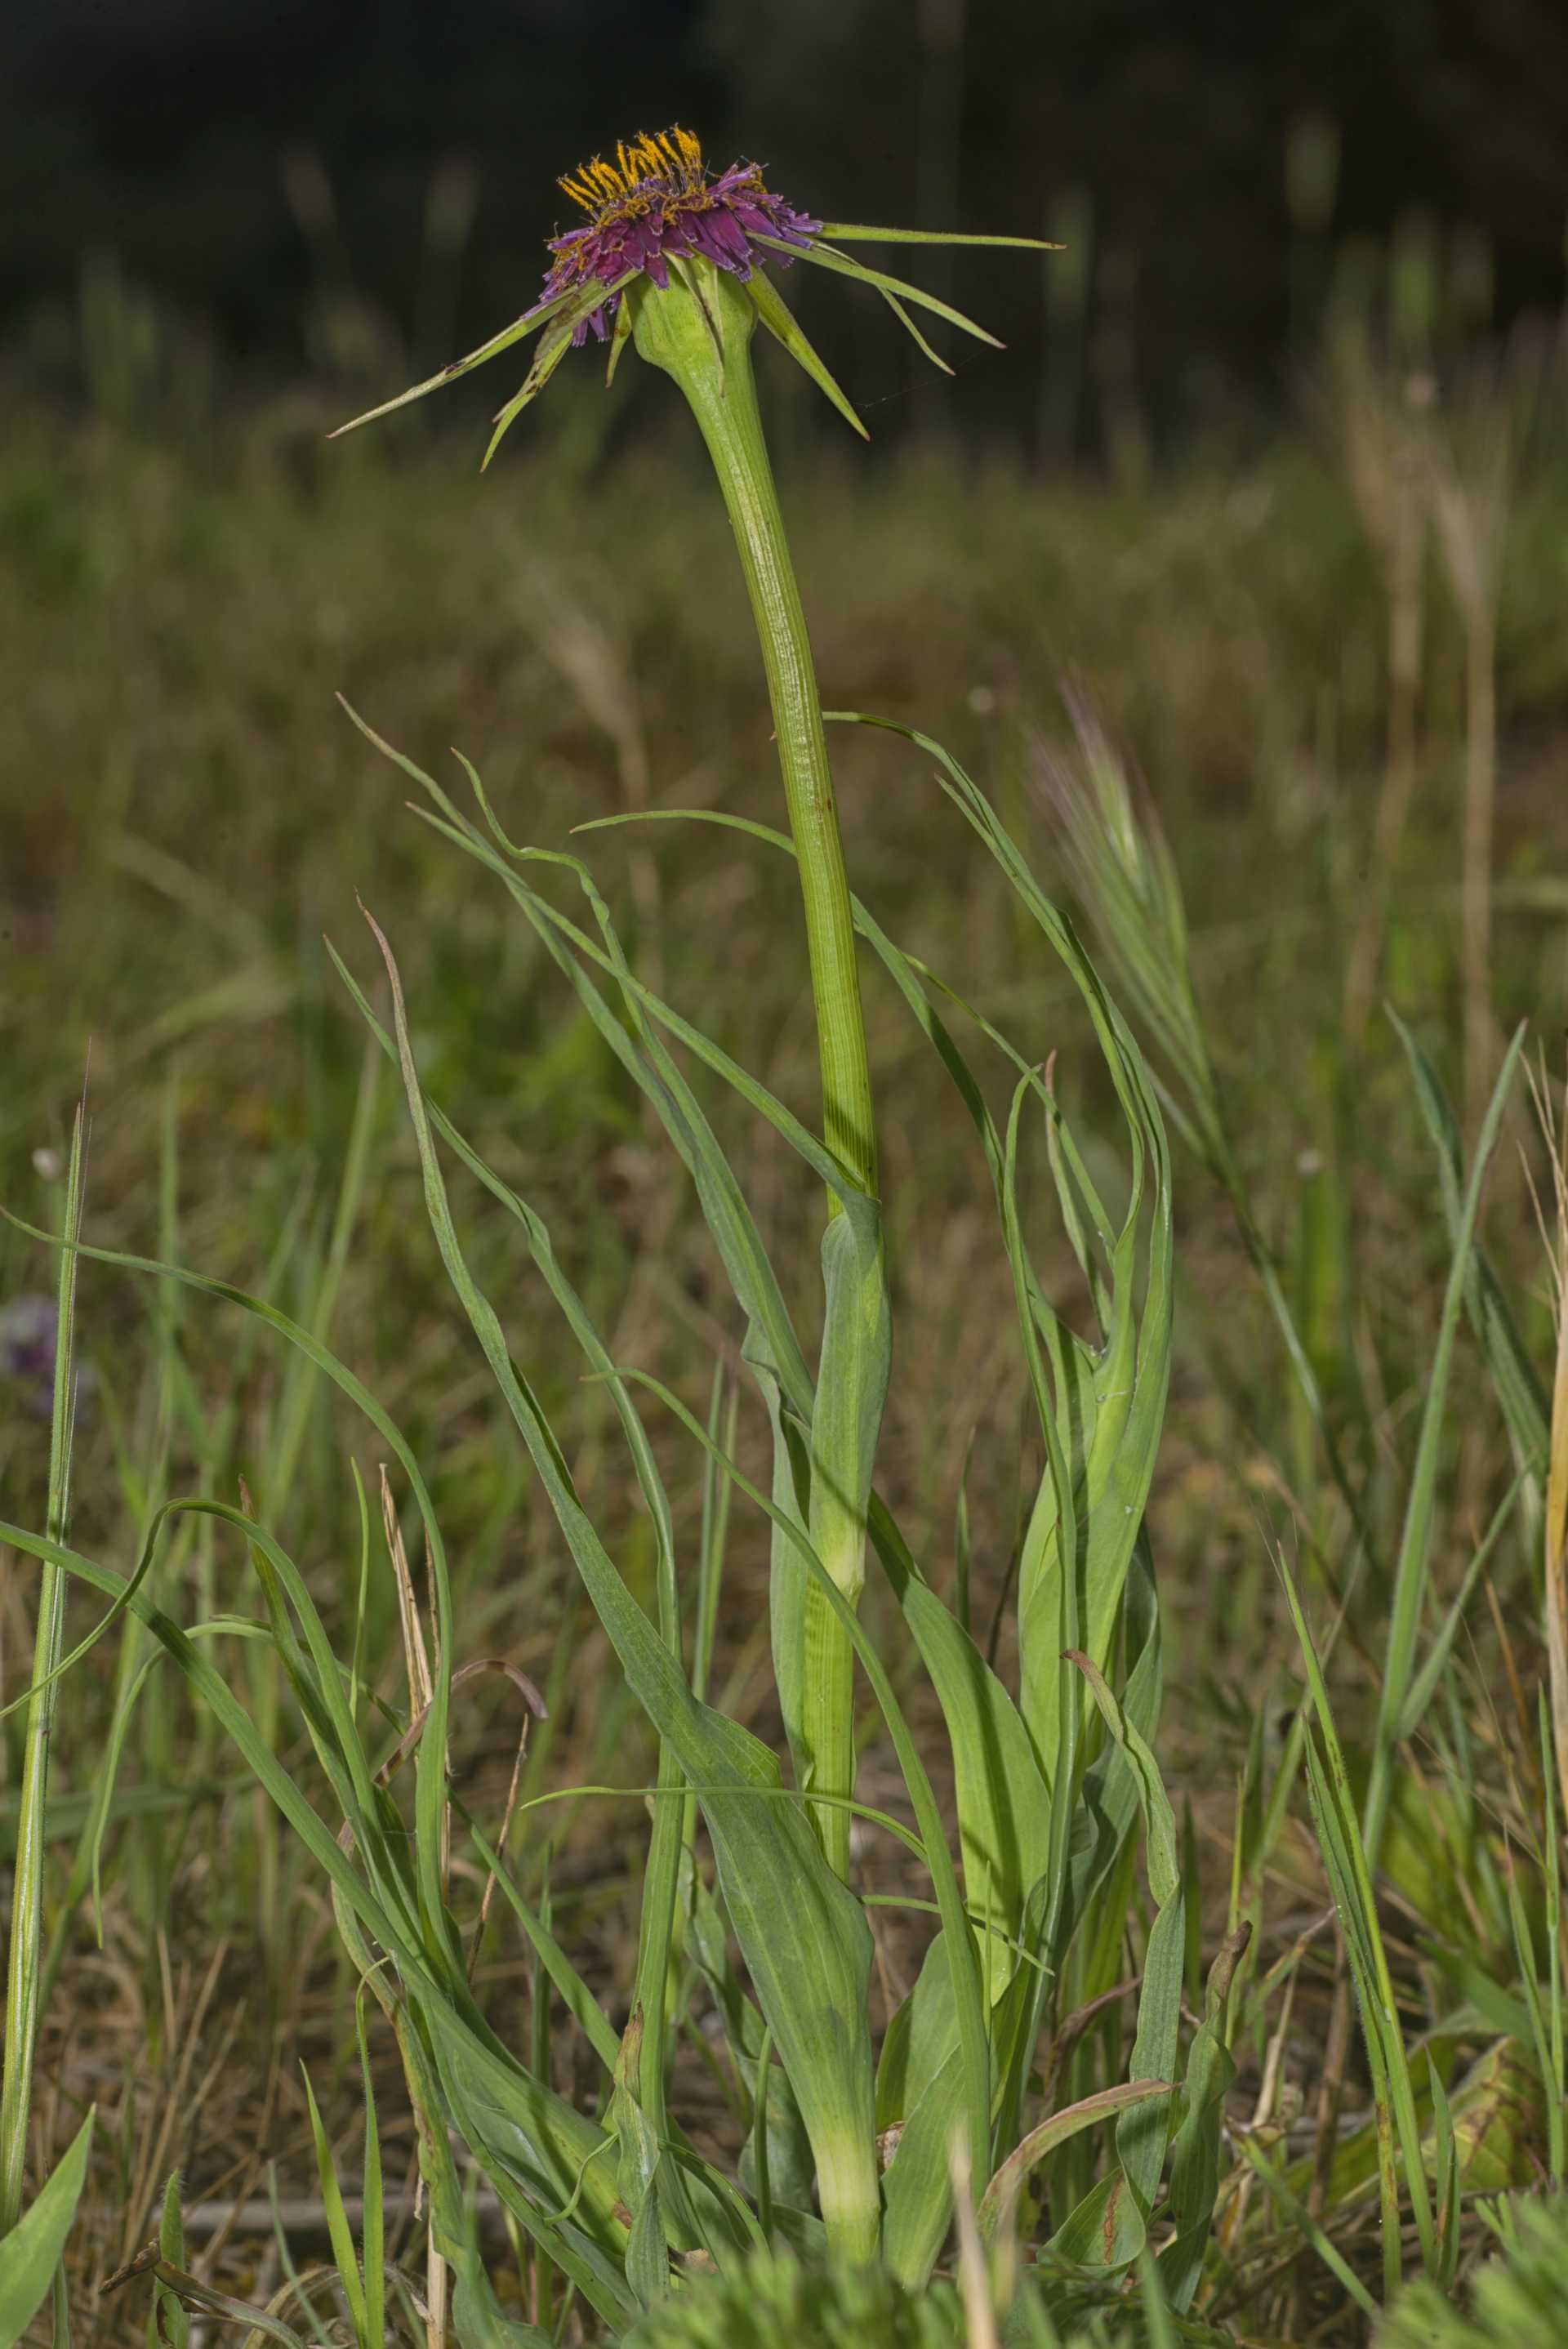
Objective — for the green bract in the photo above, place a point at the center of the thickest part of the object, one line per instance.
(657, 216)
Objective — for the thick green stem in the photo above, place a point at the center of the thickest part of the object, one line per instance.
(699, 333)
(703, 342)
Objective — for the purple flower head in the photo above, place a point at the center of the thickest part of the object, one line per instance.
(657, 201)
(656, 208)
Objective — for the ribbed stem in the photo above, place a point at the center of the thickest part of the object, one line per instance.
(700, 334)
(722, 397)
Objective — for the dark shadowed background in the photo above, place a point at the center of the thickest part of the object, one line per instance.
(1213, 165)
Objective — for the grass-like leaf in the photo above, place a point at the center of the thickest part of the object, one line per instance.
(1412, 1570)
(30, 2253)
(804, 1937)
(996, 2202)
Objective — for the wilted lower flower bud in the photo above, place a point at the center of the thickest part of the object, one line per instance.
(30, 1330)
(29, 1343)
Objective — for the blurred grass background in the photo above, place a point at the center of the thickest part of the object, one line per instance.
(189, 575)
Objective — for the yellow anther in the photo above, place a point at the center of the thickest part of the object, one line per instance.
(670, 155)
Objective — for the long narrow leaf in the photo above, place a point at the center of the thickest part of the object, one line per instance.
(30, 2253)
(805, 1938)
(1411, 1572)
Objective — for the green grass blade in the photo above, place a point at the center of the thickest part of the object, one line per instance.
(1446, 2181)
(1514, 1372)
(1556, 2070)
(1048, 1617)
(30, 2251)
(723, 1415)
(1195, 2149)
(1412, 1570)
(799, 1137)
(373, 2226)
(962, 1968)
(430, 1782)
(573, 1992)
(906, 973)
(1339, 1843)
(25, 1951)
(554, 2133)
(1350, 1881)
(1140, 2137)
(1307, 2226)
(655, 1073)
(998, 2200)
(658, 1911)
(168, 2324)
(1146, 1135)
(338, 2229)
(1002, 1800)
(1423, 1687)
(303, 1379)
(477, 2318)
(804, 1937)
(548, 2132)
(1131, 1381)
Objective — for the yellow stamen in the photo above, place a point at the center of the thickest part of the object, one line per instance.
(674, 154)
